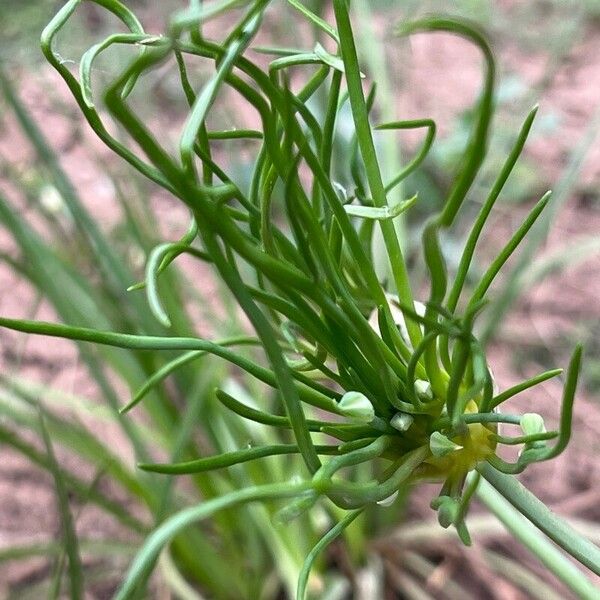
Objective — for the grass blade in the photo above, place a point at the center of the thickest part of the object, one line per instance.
(71, 543)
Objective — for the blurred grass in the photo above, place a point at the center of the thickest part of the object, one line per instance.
(171, 412)
(169, 423)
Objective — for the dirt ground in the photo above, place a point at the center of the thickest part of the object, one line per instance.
(554, 313)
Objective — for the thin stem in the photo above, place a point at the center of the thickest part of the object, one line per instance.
(367, 148)
(329, 537)
(498, 492)
(161, 536)
(542, 517)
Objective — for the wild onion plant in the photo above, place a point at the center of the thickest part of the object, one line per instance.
(379, 391)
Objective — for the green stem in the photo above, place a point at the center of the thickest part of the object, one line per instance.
(543, 518)
(367, 148)
(329, 537)
(143, 342)
(176, 524)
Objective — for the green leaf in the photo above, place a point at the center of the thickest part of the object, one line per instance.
(311, 16)
(177, 523)
(331, 535)
(228, 459)
(440, 445)
(527, 511)
(380, 213)
(76, 576)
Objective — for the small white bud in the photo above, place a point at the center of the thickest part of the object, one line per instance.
(440, 445)
(401, 421)
(423, 389)
(51, 199)
(532, 423)
(357, 406)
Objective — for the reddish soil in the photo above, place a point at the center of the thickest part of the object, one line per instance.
(443, 78)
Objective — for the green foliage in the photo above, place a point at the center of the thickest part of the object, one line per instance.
(373, 391)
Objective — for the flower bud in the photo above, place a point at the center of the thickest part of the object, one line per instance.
(401, 421)
(357, 406)
(532, 423)
(440, 445)
(423, 390)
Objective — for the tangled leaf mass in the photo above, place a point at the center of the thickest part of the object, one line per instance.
(408, 386)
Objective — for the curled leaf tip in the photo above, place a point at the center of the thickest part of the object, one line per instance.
(389, 500)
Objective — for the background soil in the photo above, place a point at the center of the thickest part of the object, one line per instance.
(441, 81)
